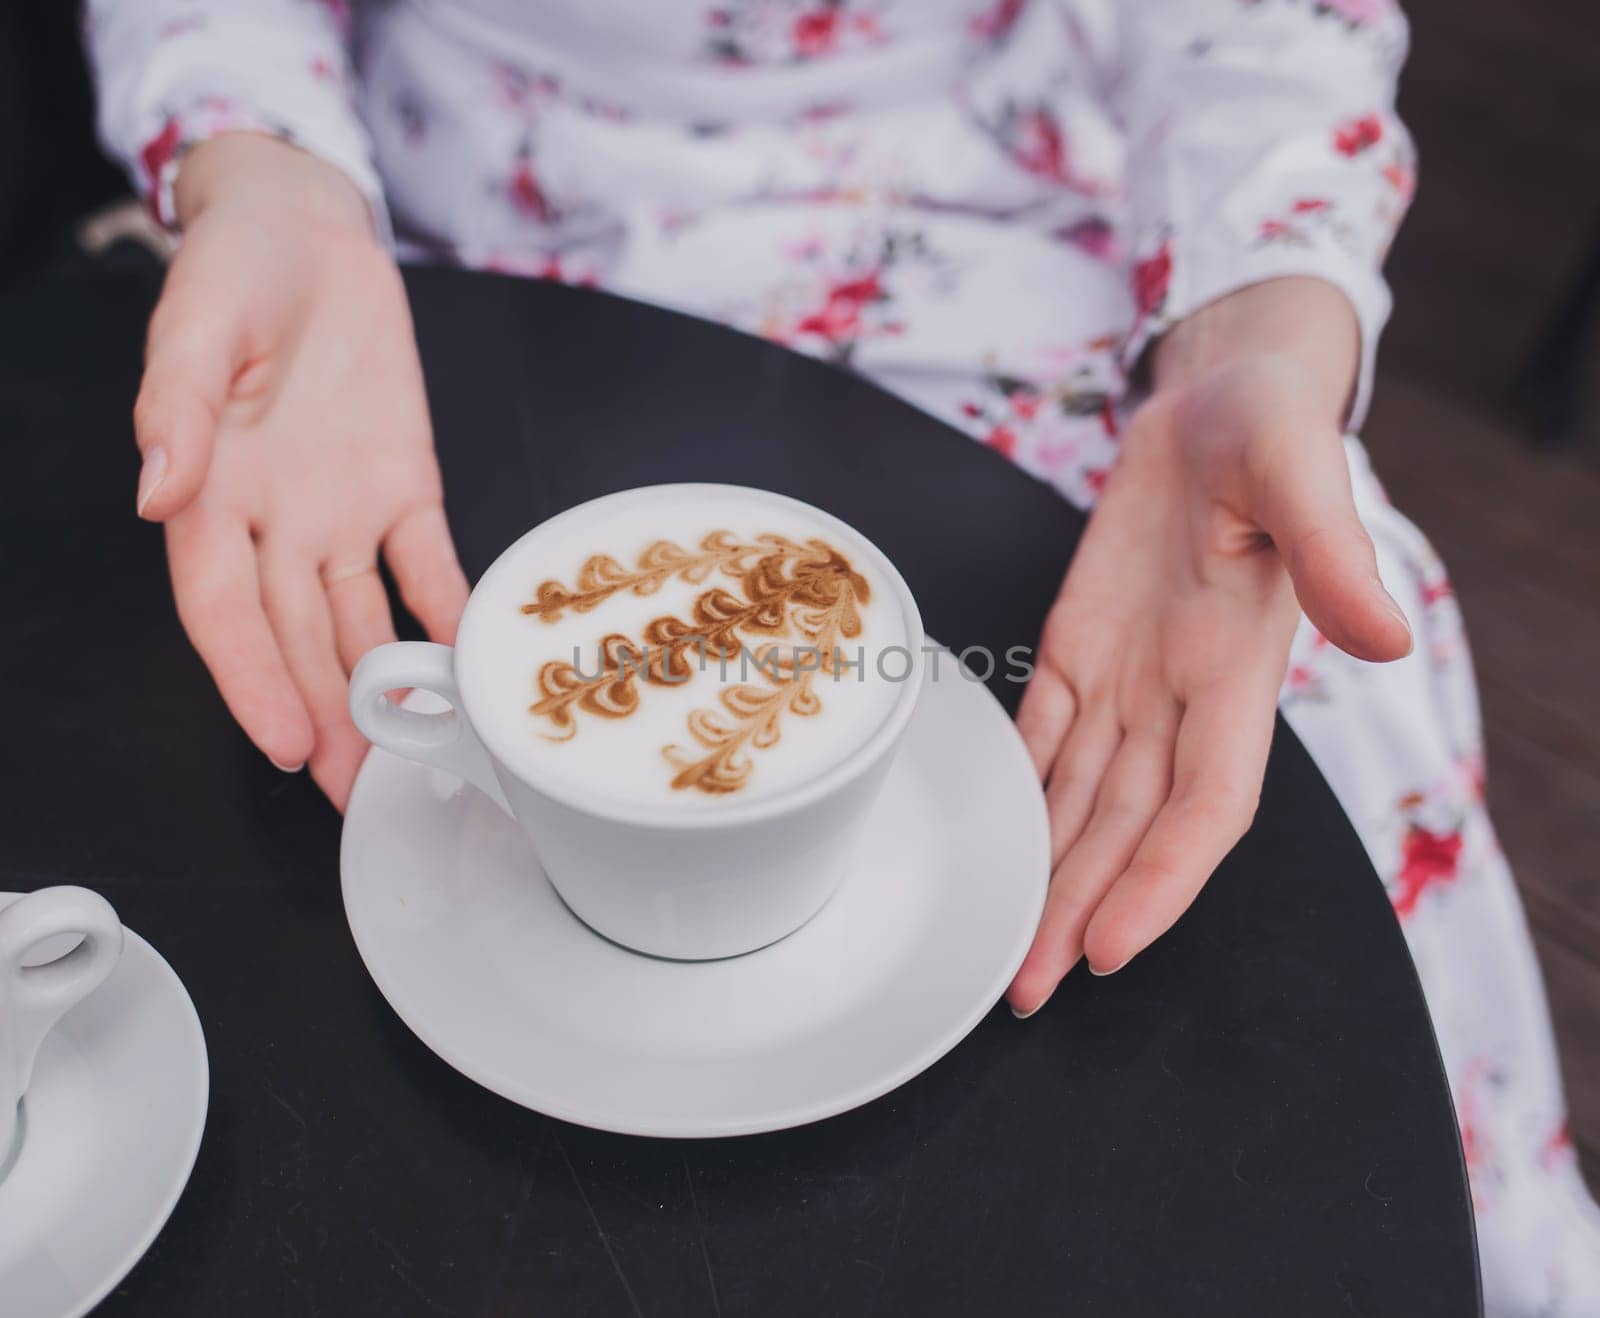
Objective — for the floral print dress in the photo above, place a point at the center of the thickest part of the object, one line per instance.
(988, 207)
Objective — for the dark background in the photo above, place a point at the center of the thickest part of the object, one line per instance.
(1482, 429)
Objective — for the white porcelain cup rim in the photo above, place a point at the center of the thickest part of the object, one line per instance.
(437, 730)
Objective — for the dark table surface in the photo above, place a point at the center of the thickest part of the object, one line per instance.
(1250, 1119)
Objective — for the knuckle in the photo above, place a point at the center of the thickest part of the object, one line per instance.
(1121, 796)
(1069, 780)
(1126, 808)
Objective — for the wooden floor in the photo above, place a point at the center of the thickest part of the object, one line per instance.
(1504, 101)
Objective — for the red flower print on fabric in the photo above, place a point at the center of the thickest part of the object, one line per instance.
(1025, 404)
(744, 33)
(1401, 178)
(1357, 13)
(1557, 1148)
(1352, 138)
(995, 22)
(1038, 145)
(523, 191)
(1478, 1080)
(1003, 440)
(1296, 227)
(1093, 236)
(816, 33)
(1436, 590)
(1060, 427)
(1427, 859)
(1033, 136)
(340, 12)
(839, 296)
(868, 288)
(160, 150)
(1303, 681)
(1471, 1144)
(838, 320)
(1108, 419)
(1151, 278)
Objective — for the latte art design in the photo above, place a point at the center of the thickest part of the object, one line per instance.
(803, 597)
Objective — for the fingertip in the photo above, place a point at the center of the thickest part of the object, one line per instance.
(1374, 629)
(1023, 1013)
(1120, 930)
(174, 434)
(1400, 639)
(1035, 984)
(283, 736)
(1337, 584)
(260, 695)
(1108, 954)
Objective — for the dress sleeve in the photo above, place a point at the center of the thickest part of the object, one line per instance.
(171, 73)
(1262, 142)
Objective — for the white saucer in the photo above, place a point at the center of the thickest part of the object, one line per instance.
(110, 1129)
(477, 954)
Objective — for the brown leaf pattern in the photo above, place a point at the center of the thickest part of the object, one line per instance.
(751, 716)
(602, 576)
(808, 591)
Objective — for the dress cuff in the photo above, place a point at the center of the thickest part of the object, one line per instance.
(205, 116)
(1180, 274)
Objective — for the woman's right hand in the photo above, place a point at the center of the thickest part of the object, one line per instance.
(286, 439)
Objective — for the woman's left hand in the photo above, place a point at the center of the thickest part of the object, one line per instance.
(1151, 708)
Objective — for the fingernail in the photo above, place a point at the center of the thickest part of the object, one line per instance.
(151, 475)
(286, 768)
(1033, 1010)
(1101, 974)
(1399, 615)
(1395, 608)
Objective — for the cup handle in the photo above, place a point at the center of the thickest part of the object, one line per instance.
(445, 741)
(41, 995)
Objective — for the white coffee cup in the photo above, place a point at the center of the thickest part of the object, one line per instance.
(34, 997)
(662, 878)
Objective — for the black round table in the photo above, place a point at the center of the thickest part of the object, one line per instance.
(1250, 1119)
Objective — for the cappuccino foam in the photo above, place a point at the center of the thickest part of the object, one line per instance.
(693, 644)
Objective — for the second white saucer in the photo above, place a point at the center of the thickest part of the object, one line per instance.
(477, 954)
(110, 1128)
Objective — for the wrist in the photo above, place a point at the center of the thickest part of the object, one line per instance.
(1304, 322)
(270, 179)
